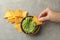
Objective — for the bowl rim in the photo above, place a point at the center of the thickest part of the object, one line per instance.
(34, 31)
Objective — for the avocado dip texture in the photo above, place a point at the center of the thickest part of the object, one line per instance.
(28, 25)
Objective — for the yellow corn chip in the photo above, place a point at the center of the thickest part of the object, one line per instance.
(11, 20)
(17, 20)
(8, 14)
(20, 19)
(24, 14)
(12, 13)
(18, 13)
(36, 20)
(18, 27)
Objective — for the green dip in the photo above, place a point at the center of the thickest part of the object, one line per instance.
(28, 25)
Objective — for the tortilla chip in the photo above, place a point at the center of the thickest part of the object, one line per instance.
(8, 14)
(12, 20)
(18, 27)
(20, 19)
(36, 20)
(18, 13)
(16, 20)
(24, 14)
(12, 13)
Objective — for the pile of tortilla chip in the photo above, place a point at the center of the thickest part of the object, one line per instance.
(15, 17)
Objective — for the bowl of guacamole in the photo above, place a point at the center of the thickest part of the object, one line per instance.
(29, 26)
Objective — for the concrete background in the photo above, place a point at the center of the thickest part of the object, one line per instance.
(50, 30)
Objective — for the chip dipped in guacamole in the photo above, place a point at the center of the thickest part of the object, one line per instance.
(28, 25)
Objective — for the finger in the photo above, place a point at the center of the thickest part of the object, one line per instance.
(43, 13)
(43, 19)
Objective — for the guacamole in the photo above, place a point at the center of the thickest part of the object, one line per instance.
(28, 25)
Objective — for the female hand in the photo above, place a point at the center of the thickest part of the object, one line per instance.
(49, 14)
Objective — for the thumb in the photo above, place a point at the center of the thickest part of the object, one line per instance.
(42, 19)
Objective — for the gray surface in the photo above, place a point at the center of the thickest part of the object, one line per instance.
(50, 31)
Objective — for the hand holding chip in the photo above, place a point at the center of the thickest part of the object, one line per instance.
(49, 14)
